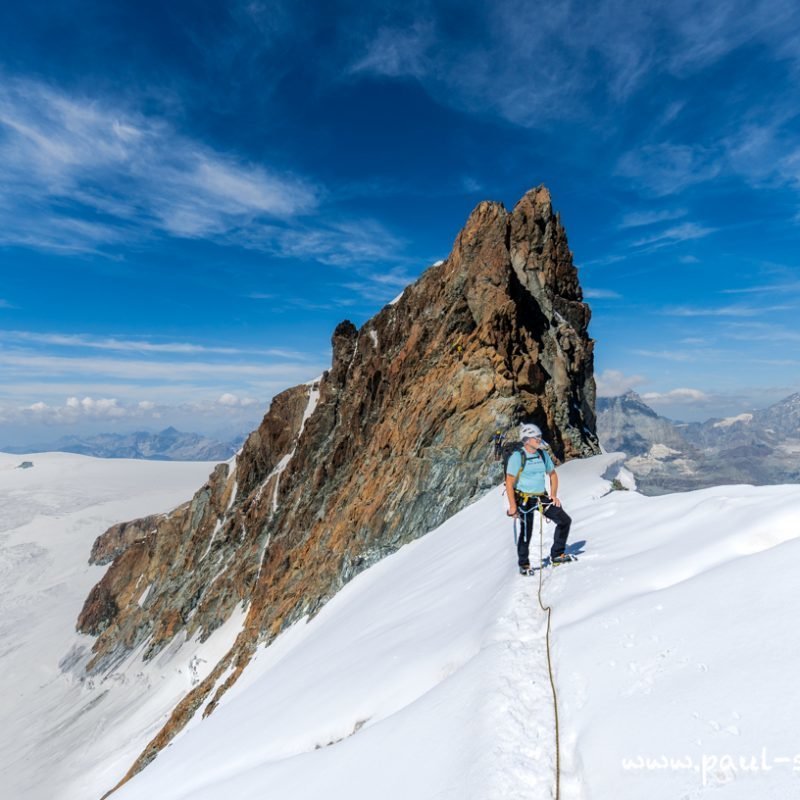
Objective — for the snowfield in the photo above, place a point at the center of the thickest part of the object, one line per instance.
(674, 646)
(62, 737)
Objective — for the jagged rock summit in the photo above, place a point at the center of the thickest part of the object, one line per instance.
(381, 449)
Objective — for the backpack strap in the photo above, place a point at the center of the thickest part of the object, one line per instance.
(523, 460)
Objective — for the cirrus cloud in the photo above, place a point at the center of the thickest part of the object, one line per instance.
(134, 173)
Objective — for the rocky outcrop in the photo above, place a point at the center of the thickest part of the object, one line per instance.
(118, 538)
(382, 448)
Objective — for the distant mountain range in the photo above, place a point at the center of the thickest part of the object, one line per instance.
(759, 447)
(167, 445)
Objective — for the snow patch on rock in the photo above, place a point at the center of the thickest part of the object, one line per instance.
(728, 421)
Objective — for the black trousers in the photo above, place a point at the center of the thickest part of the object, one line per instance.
(525, 509)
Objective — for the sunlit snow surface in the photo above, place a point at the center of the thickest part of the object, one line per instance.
(675, 644)
(60, 737)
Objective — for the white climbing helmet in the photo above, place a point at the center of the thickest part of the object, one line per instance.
(530, 431)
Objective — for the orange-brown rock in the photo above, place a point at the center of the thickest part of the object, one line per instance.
(119, 538)
(385, 446)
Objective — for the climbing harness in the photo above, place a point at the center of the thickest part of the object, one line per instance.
(524, 497)
(527, 526)
(528, 495)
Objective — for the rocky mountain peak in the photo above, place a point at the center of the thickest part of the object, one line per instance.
(783, 416)
(790, 402)
(386, 445)
(758, 446)
(627, 403)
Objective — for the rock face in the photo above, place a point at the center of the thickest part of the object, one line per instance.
(759, 447)
(381, 449)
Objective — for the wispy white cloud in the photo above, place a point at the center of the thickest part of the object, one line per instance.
(613, 382)
(235, 401)
(601, 294)
(289, 304)
(694, 351)
(766, 288)
(762, 153)
(5, 303)
(364, 285)
(722, 311)
(666, 168)
(471, 184)
(32, 388)
(709, 32)
(668, 355)
(483, 75)
(567, 52)
(144, 370)
(636, 219)
(74, 409)
(82, 174)
(336, 243)
(603, 261)
(380, 286)
(684, 232)
(755, 331)
(399, 51)
(79, 410)
(81, 340)
(133, 173)
(680, 395)
(66, 379)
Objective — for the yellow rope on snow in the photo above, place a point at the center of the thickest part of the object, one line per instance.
(549, 611)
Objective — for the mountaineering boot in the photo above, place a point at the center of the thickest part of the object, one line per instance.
(564, 558)
(526, 570)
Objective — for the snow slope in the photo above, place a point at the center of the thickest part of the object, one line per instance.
(56, 730)
(425, 677)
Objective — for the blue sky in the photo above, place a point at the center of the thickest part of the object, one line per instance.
(192, 195)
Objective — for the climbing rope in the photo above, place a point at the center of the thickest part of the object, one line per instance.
(549, 611)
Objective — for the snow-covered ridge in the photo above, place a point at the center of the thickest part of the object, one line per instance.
(434, 655)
